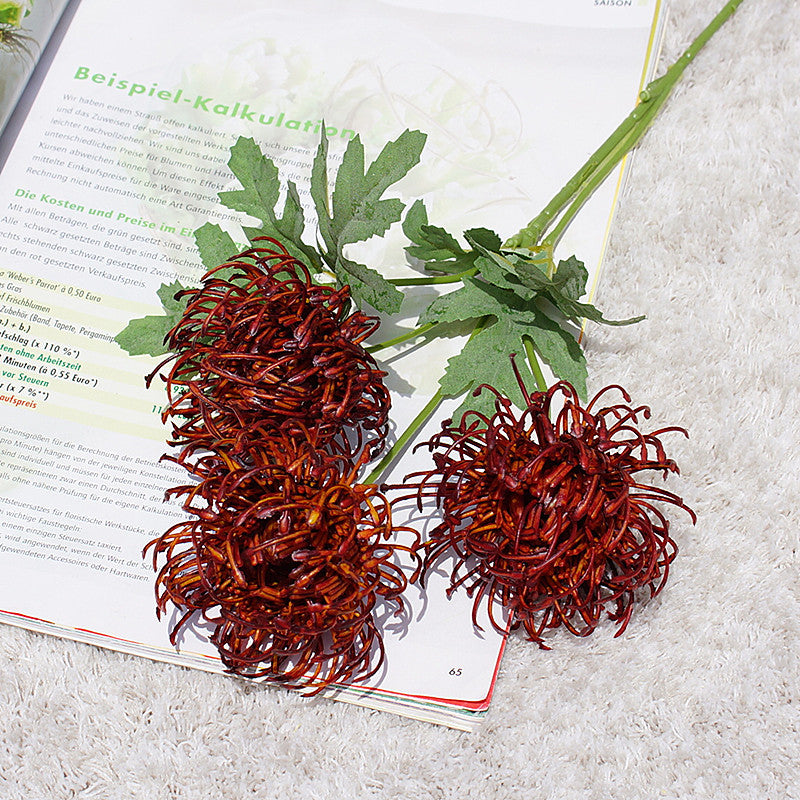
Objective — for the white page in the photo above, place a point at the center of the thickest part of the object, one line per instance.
(120, 160)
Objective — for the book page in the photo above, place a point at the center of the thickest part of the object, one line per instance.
(121, 159)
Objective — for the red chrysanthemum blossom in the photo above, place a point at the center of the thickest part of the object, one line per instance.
(286, 556)
(545, 511)
(261, 346)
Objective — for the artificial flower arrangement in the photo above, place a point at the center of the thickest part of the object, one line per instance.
(278, 408)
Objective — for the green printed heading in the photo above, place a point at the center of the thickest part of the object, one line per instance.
(210, 105)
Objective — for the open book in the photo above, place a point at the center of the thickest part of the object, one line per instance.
(117, 155)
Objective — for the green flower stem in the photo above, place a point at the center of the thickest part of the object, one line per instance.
(567, 202)
(541, 383)
(586, 180)
(432, 281)
(406, 436)
(604, 169)
(404, 337)
(418, 421)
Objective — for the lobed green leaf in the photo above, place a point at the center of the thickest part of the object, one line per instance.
(320, 193)
(572, 277)
(433, 245)
(214, 245)
(349, 190)
(368, 286)
(394, 162)
(559, 348)
(259, 196)
(147, 335)
(167, 294)
(260, 180)
(486, 359)
(355, 211)
(475, 299)
(370, 219)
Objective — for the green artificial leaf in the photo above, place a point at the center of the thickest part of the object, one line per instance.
(260, 180)
(147, 335)
(503, 278)
(167, 295)
(576, 311)
(349, 189)
(289, 228)
(527, 276)
(500, 268)
(563, 289)
(394, 162)
(484, 239)
(540, 256)
(258, 197)
(441, 252)
(371, 219)
(355, 212)
(214, 245)
(358, 212)
(433, 245)
(486, 359)
(475, 299)
(320, 192)
(573, 277)
(369, 286)
(559, 348)
(486, 356)
(514, 293)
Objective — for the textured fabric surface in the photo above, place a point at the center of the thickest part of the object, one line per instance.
(699, 699)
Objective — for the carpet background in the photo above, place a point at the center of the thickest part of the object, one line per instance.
(699, 699)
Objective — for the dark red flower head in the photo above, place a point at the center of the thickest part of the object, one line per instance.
(275, 407)
(261, 346)
(286, 557)
(546, 511)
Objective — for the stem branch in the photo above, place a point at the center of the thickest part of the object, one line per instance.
(403, 337)
(541, 383)
(434, 280)
(418, 421)
(586, 180)
(405, 437)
